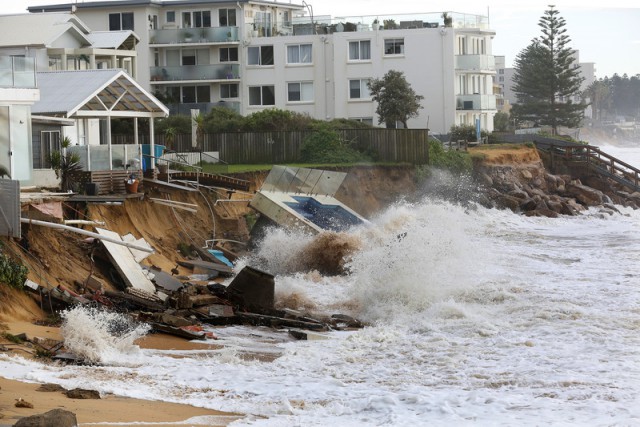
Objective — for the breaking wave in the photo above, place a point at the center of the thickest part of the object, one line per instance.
(421, 254)
(292, 251)
(100, 336)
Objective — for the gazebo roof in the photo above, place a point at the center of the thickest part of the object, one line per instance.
(94, 93)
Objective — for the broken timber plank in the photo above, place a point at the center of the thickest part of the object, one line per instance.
(220, 268)
(123, 260)
(277, 322)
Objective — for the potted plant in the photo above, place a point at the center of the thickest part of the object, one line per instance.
(66, 164)
(375, 25)
(448, 21)
(229, 36)
(188, 36)
(254, 33)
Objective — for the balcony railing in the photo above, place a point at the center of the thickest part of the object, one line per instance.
(204, 107)
(476, 102)
(17, 71)
(195, 72)
(194, 35)
(476, 62)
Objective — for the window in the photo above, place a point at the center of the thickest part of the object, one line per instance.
(49, 142)
(367, 120)
(260, 55)
(228, 91)
(299, 54)
(262, 95)
(121, 21)
(229, 54)
(193, 94)
(501, 71)
(189, 57)
(227, 17)
(358, 89)
(360, 50)
(300, 91)
(394, 46)
(171, 16)
(199, 19)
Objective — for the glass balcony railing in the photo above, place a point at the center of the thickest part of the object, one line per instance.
(476, 102)
(204, 107)
(195, 72)
(476, 62)
(17, 71)
(194, 35)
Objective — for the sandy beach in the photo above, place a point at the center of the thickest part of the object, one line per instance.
(108, 409)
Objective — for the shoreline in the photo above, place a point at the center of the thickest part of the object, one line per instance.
(110, 409)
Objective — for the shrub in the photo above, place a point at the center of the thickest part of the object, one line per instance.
(12, 273)
(458, 162)
(324, 145)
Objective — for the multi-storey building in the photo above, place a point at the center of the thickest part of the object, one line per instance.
(251, 55)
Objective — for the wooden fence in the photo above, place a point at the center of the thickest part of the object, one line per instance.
(385, 145)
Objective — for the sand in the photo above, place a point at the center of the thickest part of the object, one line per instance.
(108, 409)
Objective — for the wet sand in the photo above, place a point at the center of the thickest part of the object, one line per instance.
(108, 409)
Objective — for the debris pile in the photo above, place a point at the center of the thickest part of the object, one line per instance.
(177, 304)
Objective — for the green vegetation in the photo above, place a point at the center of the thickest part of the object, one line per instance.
(222, 120)
(397, 101)
(501, 121)
(65, 164)
(613, 97)
(11, 272)
(547, 77)
(12, 338)
(325, 146)
(458, 162)
(465, 133)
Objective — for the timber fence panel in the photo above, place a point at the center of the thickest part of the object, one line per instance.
(282, 147)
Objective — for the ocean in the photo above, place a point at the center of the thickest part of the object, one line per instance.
(477, 317)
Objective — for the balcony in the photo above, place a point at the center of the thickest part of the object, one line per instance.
(17, 72)
(475, 63)
(204, 107)
(476, 102)
(195, 72)
(194, 35)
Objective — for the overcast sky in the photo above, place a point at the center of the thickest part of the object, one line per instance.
(606, 33)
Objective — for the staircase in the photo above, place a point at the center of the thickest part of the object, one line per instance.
(598, 161)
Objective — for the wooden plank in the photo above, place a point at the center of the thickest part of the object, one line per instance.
(123, 260)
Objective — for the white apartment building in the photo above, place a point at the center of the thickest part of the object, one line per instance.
(252, 55)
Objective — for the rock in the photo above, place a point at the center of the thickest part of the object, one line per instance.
(528, 205)
(507, 202)
(50, 388)
(585, 195)
(542, 212)
(486, 179)
(526, 174)
(519, 194)
(79, 393)
(20, 403)
(53, 418)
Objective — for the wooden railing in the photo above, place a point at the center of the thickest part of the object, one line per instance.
(597, 160)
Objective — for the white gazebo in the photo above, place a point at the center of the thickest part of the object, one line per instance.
(88, 96)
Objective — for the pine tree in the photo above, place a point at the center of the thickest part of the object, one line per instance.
(547, 78)
(397, 101)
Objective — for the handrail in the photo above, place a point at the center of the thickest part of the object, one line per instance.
(168, 161)
(598, 160)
